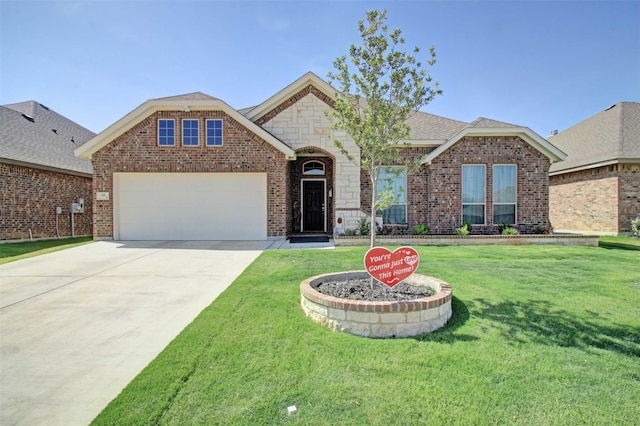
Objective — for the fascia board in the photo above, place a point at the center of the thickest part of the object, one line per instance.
(44, 167)
(427, 143)
(529, 136)
(595, 165)
(290, 90)
(150, 107)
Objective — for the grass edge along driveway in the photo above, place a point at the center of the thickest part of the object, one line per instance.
(539, 335)
(13, 251)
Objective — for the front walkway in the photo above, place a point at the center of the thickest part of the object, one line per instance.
(286, 245)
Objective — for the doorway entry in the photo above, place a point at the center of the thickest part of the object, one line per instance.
(314, 200)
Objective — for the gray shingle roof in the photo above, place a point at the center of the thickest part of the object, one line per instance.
(487, 122)
(609, 136)
(195, 96)
(425, 126)
(34, 134)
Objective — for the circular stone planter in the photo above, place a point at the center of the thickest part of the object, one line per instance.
(377, 319)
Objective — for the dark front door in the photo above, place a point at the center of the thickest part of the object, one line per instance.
(313, 206)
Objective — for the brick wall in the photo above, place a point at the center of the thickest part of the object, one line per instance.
(29, 201)
(603, 199)
(434, 192)
(445, 183)
(629, 195)
(417, 195)
(137, 151)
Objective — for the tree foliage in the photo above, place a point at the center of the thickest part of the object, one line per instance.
(375, 99)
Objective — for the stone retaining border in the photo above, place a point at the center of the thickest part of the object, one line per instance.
(378, 319)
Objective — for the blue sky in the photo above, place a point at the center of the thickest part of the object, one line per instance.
(542, 64)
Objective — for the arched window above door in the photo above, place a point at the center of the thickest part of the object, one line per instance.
(313, 168)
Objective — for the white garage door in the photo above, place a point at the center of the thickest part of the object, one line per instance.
(190, 206)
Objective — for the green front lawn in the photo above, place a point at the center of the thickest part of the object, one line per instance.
(539, 335)
(15, 251)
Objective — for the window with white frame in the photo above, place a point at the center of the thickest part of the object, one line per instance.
(166, 132)
(190, 132)
(313, 168)
(392, 181)
(214, 132)
(504, 194)
(473, 194)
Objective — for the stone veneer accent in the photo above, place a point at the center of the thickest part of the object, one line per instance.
(242, 151)
(301, 122)
(599, 200)
(378, 319)
(310, 89)
(29, 200)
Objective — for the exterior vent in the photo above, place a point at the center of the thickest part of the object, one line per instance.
(45, 107)
(29, 118)
(610, 107)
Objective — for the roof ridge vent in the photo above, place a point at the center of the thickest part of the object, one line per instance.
(607, 109)
(44, 106)
(28, 117)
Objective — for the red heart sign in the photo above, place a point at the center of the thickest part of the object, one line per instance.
(390, 267)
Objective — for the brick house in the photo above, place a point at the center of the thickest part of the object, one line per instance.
(192, 167)
(40, 177)
(597, 188)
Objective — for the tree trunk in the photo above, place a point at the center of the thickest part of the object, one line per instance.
(373, 212)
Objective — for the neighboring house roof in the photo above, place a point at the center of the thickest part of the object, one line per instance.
(195, 101)
(33, 135)
(609, 137)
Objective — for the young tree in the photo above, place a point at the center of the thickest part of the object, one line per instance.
(375, 101)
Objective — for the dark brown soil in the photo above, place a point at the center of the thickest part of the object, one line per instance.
(360, 289)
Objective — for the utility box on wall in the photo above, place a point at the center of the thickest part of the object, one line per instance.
(78, 206)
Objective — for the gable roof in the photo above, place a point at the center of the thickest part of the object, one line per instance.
(308, 79)
(426, 129)
(609, 137)
(33, 135)
(190, 101)
(532, 138)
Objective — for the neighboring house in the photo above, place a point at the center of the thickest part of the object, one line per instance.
(40, 177)
(596, 189)
(192, 167)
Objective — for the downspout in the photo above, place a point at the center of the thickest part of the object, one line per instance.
(73, 231)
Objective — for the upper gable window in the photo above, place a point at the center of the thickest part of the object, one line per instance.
(313, 168)
(166, 132)
(214, 132)
(190, 132)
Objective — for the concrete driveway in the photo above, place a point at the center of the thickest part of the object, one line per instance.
(76, 326)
